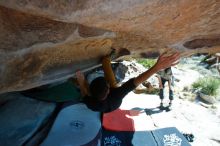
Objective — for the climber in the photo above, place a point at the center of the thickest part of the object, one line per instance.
(164, 76)
(104, 97)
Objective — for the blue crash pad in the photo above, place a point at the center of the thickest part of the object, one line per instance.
(75, 125)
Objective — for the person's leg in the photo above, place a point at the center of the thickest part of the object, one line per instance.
(170, 92)
(161, 94)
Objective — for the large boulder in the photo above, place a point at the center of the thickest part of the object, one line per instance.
(22, 118)
(46, 41)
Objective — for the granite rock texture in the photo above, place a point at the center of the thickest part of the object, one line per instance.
(21, 118)
(46, 41)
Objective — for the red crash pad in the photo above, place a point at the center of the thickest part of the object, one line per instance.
(119, 120)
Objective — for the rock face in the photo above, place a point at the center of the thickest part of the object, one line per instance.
(22, 118)
(46, 41)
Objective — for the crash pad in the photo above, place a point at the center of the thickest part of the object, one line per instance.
(133, 120)
(120, 128)
(114, 120)
(63, 92)
(160, 137)
(75, 125)
(170, 136)
(127, 138)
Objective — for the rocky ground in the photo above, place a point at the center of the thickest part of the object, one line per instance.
(189, 113)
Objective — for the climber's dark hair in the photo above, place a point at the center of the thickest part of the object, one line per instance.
(98, 88)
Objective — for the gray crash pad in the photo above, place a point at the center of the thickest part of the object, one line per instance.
(127, 138)
(170, 137)
(160, 137)
(75, 125)
(21, 117)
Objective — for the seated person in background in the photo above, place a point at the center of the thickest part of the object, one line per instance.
(104, 99)
(164, 76)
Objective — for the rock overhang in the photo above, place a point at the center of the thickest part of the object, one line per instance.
(47, 41)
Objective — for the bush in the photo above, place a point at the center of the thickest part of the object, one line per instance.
(147, 62)
(208, 85)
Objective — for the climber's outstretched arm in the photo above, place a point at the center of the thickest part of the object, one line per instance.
(109, 74)
(164, 61)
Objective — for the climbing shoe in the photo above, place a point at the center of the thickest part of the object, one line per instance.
(169, 107)
(161, 107)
